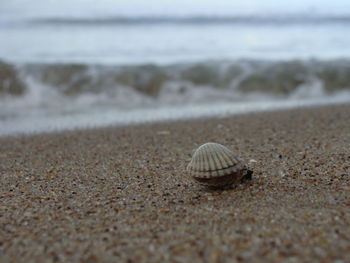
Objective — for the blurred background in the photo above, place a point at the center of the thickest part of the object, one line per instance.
(77, 63)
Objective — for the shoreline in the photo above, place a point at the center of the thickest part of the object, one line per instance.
(122, 193)
(28, 126)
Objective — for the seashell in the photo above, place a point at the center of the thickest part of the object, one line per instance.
(214, 165)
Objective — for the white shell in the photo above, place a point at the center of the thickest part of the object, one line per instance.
(215, 165)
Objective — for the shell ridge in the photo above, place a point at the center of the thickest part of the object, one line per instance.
(198, 157)
(196, 160)
(207, 161)
(230, 164)
(223, 161)
(219, 165)
(229, 158)
(202, 159)
(214, 166)
(224, 157)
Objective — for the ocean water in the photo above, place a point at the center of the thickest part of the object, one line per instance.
(65, 66)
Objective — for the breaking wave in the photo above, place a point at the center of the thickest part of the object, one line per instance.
(152, 85)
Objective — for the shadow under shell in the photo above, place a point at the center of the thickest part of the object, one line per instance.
(226, 180)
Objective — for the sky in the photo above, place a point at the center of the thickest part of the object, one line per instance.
(170, 7)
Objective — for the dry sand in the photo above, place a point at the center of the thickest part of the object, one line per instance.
(122, 194)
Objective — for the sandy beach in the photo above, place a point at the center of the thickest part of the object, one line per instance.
(121, 194)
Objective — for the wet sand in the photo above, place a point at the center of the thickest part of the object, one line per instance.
(122, 194)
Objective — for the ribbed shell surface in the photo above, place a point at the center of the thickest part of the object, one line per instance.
(213, 160)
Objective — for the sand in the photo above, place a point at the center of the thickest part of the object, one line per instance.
(122, 194)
